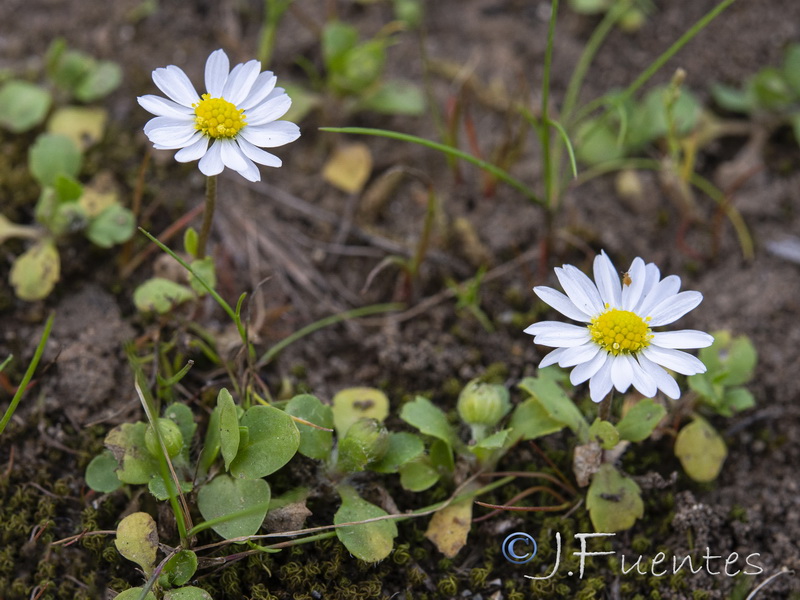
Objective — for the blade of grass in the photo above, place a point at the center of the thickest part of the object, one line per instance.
(26, 379)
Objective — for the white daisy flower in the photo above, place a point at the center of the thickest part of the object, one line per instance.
(236, 115)
(618, 347)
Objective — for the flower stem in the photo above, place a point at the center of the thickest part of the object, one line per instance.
(208, 215)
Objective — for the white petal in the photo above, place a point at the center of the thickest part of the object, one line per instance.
(631, 294)
(674, 308)
(216, 73)
(211, 163)
(600, 384)
(666, 288)
(584, 371)
(552, 358)
(683, 338)
(683, 363)
(607, 280)
(194, 151)
(174, 83)
(269, 110)
(262, 88)
(663, 380)
(271, 135)
(580, 289)
(171, 122)
(641, 380)
(621, 373)
(257, 154)
(171, 137)
(553, 333)
(651, 278)
(241, 81)
(162, 107)
(578, 354)
(561, 303)
(233, 158)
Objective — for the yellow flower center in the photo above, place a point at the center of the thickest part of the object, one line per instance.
(218, 118)
(620, 331)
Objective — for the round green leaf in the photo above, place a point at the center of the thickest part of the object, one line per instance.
(429, 419)
(228, 426)
(101, 79)
(114, 225)
(641, 420)
(23, 105)
(370, 542)
(418, 474)
(126, 443)
(701, 450)
(273, 439)
(36, 271)
(160, 295)
(314, 443)
(187, 593)
(52, 155)
(180, 568)
(356, 403)
(101, 473)
(403, 447)
(243, 501)
(134, 594)
(205, 270)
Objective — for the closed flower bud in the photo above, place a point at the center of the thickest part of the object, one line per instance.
(482, 405)
(170, 433)
(366, 441)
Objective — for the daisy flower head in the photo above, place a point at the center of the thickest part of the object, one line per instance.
(225, 127)
(616, 346)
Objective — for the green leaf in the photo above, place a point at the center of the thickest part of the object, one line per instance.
(604, 433)
(358, 68)
(190, 240)
(134, 594)
(771, 90)
(791, 68)
(126, 443)
(614, 501)
(211, 446)
(160, 295)
(158, 488)
(187, 593)
(228, 427)
(494, 441)
(137, 540)
(557, 404)
(180, 568)
(649, 121)
(114, 225)
(395, 97)
(314, 443)
(701, 450)
(418, 475)
(225, 496)
(337, 39)
(204, 268)
(36, 271)
(403, 447)
(736, 400)
(590, 7)
(732, 99)
(84, 125)
(597, 142)
(52, 155)
(429, 419)
(101, 473)
(730, 360)
(273, 441)
(369, 542)
(102, 78)
(530, 421)
(23, 105)
(441, 455)
(641, 420)
(352, 404)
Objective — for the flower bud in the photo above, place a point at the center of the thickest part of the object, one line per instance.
(170, 433)
(482, 405)
(366, 441)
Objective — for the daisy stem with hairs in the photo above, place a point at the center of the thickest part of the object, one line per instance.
(208, 215)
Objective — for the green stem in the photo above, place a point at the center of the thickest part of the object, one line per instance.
(449, 150)
(545, 129)
(208, 215)
(26, 379)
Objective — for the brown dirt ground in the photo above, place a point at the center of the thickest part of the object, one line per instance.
(314, 271)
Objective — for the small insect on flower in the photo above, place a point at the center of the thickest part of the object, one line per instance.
(617, 347)
(236, 115)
